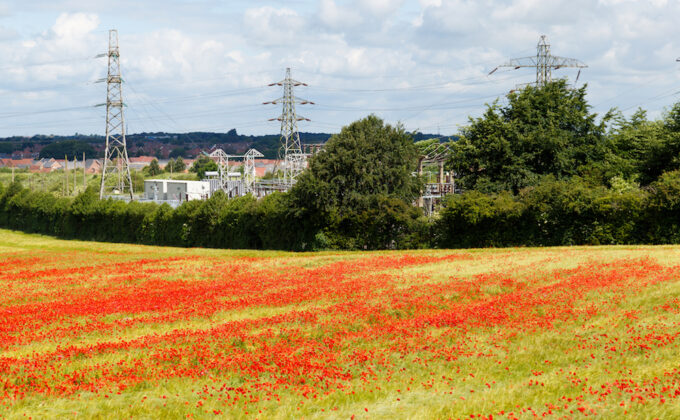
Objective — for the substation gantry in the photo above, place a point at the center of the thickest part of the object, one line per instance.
(435, 154)
(234, 184)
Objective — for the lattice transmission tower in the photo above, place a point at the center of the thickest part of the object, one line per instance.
(544, 62)
(116, 163)
(294, 159)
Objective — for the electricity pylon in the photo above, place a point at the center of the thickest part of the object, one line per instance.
(544, 63)
(116, 162)
(294, 160)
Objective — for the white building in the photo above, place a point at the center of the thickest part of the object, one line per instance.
(176, 190)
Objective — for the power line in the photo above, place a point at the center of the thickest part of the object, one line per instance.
(435, 86)
(629, 91)
(225, 93)
(48, 63)
(399, 75)
(437, 106)
(44, 111)
(652, 99)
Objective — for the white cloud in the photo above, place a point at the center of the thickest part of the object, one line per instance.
(348, 50)
(7, 34)
(380, 8)
(338, 17)
(55, 54)
(270, 26)
(73, 26)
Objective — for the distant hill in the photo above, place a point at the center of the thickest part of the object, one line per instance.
(160, 144)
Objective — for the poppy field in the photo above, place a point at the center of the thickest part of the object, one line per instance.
(94, 330)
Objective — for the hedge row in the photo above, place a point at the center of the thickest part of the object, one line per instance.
(273, 222)
(564, 213)
(218, 222)
(551, 213)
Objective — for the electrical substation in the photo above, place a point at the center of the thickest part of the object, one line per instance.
(236, 175)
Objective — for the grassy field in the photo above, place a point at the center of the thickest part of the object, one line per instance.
(49, 182)
(55, 182)
(93, 330)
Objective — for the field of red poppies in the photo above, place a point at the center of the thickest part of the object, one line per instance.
(94, 330)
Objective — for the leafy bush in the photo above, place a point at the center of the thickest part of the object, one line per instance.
(570, 212)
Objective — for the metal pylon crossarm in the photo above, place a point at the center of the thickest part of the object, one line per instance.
(544, 63)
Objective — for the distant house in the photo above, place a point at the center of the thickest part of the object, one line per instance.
(269, 161)
(140, 162)
(50, 165)
(22, 163)
(142, 159)
(62, 164)
(92, 166)
(33, 165)
(189, 163)
(267, 166)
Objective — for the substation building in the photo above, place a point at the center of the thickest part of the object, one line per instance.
(174, 190)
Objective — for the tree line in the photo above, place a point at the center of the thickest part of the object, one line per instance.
(540, 170)
(567, 212)
(544, 170)
(178, 144)
(360, 205)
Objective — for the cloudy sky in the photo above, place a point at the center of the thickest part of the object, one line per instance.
(204, 65)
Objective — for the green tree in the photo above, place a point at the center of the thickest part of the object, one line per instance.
(541, 131)
(153, 169)
(636, 148)
(642, 150)
(179, 165)
(177, 152)
(6, 147)
(137, 178)
(367, 164)
(70, 148)
(663, 152)
(202, 165)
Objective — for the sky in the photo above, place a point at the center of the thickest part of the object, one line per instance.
(205, 65)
